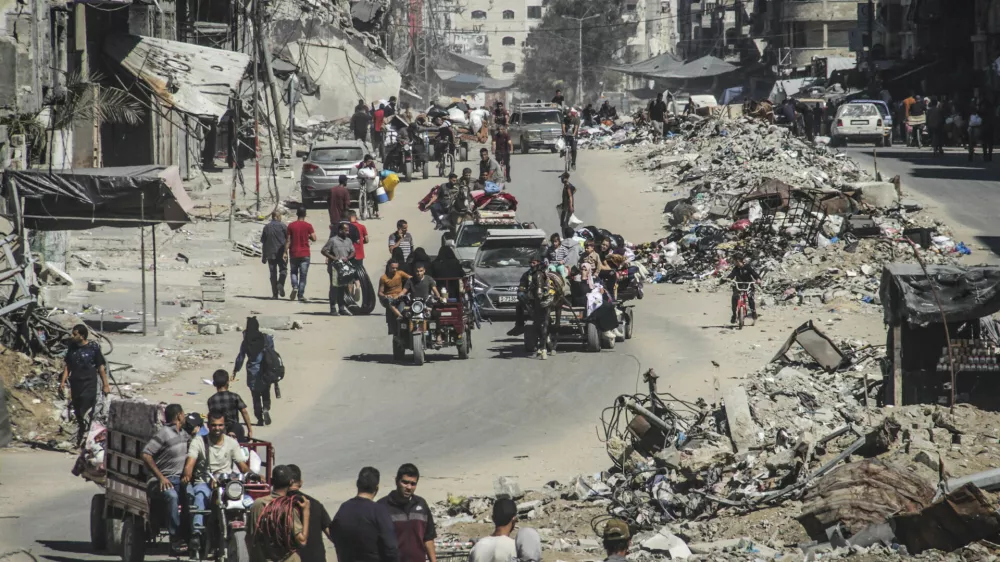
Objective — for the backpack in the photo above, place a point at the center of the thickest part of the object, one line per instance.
(272, 367)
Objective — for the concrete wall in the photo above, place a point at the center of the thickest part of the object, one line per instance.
(24, 61)
(343, 69)
(820, 10)
(484, 37)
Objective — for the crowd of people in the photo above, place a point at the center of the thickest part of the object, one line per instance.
(289, 525)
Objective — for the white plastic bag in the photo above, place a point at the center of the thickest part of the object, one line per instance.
(756, 212)
(574, 221)
(975, 120)
(366, 173)
(560, 144)
(457, 116)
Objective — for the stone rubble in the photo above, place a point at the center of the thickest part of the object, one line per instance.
(745, 186)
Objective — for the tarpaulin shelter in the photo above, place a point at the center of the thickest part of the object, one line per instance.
(659, 63)
(919, 336)
(84, 198)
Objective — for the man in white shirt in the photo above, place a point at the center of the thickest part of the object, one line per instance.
(223, 452)
(498, 547)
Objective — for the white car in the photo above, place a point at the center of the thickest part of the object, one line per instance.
(857, 122)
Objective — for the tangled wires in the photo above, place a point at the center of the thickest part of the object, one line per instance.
(276, 525)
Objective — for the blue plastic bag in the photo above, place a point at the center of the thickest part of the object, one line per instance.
(961, 248)
(492, 188)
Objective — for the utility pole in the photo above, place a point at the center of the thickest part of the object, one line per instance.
(871, 42)
(579, 76)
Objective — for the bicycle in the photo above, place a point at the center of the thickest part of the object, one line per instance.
(366, 205)
(743, 302)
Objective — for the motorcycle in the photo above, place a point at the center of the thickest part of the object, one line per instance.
(225, 520)
(426, 323)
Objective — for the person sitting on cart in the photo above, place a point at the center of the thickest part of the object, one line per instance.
(443, 201)
(743, 272)
(489, 167)
(449, 268)
(209, 455)
(390, 287)
(165, 456)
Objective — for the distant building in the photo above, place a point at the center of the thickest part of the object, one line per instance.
(495, 29)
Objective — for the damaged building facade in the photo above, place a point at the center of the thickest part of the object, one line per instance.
(123, 83)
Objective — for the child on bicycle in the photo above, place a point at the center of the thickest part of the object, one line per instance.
(743, 272)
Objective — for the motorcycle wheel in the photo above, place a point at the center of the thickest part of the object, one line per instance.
(409, 171)
(98, 524)
(524, 147)
(237, 548)
(463, 346)
(368, 298)
(418, 349)
(424, 170)
(629, 323)
(133, 540)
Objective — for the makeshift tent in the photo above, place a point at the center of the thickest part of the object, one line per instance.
(918, 341)
(705, 67)
(85, 198)
(659, 63)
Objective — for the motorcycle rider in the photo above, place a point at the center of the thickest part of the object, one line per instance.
(570, 130)
(421, 285)
(394, 154)
(523, 298)
(502, 148)
(165, 456)
(443, 201)
(209, 455)
(445, 139)
(489, 166)
(390, 287)
(743, 272)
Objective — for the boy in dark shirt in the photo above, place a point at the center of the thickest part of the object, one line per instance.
(231, 405)
(743, 272)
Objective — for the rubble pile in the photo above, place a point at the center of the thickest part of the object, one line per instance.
(812, 218)
(798, 460)
(39, 416)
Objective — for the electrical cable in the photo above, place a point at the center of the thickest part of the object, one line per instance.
(277, 522)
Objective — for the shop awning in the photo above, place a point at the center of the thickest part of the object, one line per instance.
(190, 78)
(85, 198)
(966, 293)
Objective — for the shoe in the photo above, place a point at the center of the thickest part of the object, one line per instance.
(345, 312)
(274, 295)
(302, 299)
(295, 292)
(281, 290)
(754, 315)
(195, 547)
(260, 422)
(177, 547)
(517, 330)
(732, 320)
(267, 417)
(334, 313)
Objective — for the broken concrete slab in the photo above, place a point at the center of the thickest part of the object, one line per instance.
(277, 323)
(665, 541)
(504, 487)
(742, 429)
(882, 195)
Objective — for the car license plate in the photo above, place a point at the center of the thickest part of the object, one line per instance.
(859, 122)
(507, 299)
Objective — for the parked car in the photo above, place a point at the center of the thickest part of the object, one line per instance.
(501, 260)
(323, 165)
(858, 122)
(535, 125)
(883, 108)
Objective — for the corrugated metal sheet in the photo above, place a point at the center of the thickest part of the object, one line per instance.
(190, 78)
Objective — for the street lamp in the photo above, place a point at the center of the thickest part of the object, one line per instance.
(579, 77)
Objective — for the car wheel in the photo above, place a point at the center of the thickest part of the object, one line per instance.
(525, 148)
(880, 142)
(888, 140)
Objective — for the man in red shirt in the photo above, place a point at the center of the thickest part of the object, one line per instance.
(340, 201)
(300, 235)
(359, 241)
(379, 117)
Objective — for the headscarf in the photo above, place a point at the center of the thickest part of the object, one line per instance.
(418, 255)
(447, 264)
(587, 275)
(529, 545)
(253, 339)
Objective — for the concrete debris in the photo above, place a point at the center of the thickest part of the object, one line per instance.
(505, 487)
(808, 218)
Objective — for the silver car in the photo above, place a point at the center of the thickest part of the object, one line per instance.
(535, 125)
(323, 165)
(500, 262)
